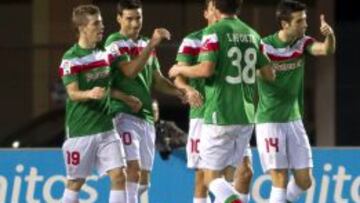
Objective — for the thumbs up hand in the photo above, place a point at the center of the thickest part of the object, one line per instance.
(325, 28)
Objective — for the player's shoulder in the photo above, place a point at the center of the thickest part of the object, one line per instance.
(144, 38)
(308, 39)
(142, 41)
(71, 53)
(193, 39)
(269, 39)
(195, 35)
(116, 36)
(216, 27)
(247, 28)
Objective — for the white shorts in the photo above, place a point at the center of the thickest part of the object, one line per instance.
(138, 137)
(247, 153)
(193, 141)
(222, 146)
(283, 146)
(104, 151)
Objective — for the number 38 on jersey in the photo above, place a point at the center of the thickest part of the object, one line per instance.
(246, 73)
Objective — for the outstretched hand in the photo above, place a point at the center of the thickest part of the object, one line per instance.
(325, 28)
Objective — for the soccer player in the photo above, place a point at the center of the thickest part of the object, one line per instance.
(229, 57)
(194, 90)
(85, 71)
(281, 137)
(136, 129)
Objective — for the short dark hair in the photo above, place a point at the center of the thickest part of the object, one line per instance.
(80, 13)
(230, 7)
(206, 5)
(128, 4)
(286, 7)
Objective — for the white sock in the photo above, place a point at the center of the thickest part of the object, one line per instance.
(142, 189)
(117, 196)
(132, 190)
(277, 195)
(222, 191)
(293, 191)
(70, 196)
(199, 200)
(245, 198)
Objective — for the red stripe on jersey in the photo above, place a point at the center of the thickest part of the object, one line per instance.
(282, 58)
(82, 68)
(124, 50)
(211, 46)
(191, 51)
(309, 41)
(111, 58)
(295, 54)
(133, 51)
(262, 48)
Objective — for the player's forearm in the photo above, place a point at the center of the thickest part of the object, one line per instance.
(181, 83)
(132, 68)
(201, 70)
(330, 44)
(163, 85)
(78, 95)
(119, 95)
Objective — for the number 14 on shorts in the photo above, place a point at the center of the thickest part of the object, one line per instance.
(272, 144)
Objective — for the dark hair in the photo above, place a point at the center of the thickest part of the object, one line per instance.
(80, 13)
(128, 4)
(286, 7)
(206, 5)
(230, 7)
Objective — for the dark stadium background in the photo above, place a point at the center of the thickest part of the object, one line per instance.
(34, 34)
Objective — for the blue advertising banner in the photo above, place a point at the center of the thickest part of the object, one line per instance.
(38, 176)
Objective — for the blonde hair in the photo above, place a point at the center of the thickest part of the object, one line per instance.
(80, 13)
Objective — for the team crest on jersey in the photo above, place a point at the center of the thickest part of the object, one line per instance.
(66, 67)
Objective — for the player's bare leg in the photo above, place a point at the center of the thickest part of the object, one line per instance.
(200, 191)
(71, 193)
(144, 182)
(132, 182)
(118, 180)
(279, 178)
(300, 183)
(243, 176)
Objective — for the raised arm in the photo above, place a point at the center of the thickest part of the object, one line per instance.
(132, 68)
(328, 46)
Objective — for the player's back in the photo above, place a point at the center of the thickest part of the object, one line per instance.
(234, 47)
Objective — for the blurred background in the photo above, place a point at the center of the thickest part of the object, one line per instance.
(35, 33)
